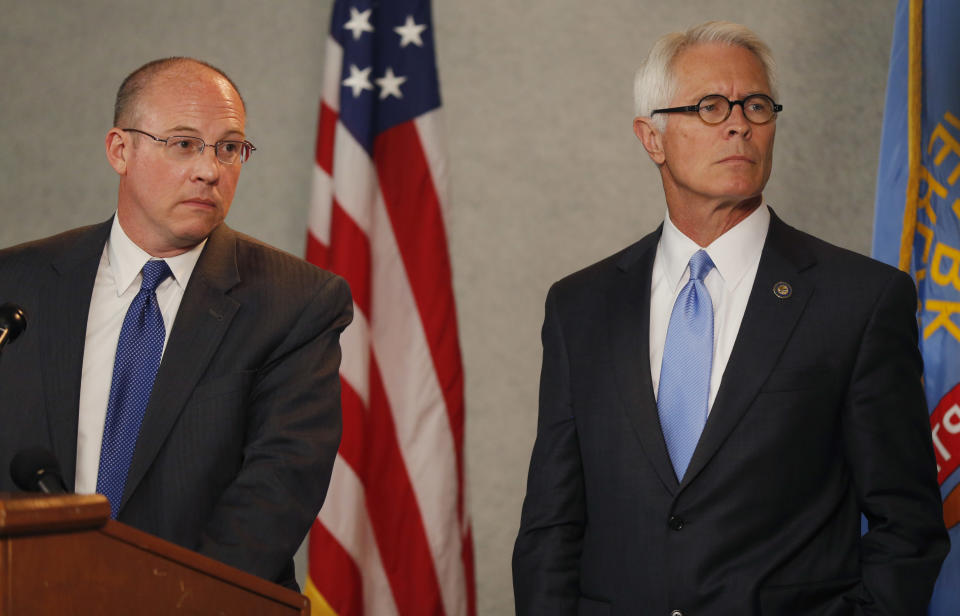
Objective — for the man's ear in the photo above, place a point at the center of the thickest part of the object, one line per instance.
(117, 147)
(650, 137)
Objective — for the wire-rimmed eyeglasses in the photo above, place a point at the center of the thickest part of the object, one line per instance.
(715, 108)
(184, 147)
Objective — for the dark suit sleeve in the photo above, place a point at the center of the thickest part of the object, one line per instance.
(888, 445)
(293, 432)
(547, 552)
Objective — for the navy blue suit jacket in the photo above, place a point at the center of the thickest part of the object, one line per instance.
(820, 416)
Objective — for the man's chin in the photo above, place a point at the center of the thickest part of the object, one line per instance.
(742, 192)
(190, 235)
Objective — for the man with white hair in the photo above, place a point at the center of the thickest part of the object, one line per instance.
(722, 400)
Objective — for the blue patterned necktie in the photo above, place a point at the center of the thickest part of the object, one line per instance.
(684, 393)
(134, 370)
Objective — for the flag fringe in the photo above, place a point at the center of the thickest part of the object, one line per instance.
(914, 133)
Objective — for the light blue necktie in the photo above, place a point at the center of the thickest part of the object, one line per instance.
(684, 393)
(134, 370)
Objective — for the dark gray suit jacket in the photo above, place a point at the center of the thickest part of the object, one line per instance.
(820, 416)
(238, 441)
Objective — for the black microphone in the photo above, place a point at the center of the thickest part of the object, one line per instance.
(37, 470)
(13, 320)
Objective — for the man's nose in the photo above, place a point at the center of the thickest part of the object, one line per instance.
(736, 122)
(206, 166)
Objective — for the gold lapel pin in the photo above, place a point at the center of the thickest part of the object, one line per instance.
(783, 290)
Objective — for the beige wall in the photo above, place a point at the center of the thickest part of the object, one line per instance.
(547, 176)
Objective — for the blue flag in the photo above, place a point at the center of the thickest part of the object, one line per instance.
(917, 228)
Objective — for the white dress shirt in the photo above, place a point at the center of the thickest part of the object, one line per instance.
(736, 255)
(117, 283)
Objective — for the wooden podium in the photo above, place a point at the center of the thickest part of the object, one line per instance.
(63, 554)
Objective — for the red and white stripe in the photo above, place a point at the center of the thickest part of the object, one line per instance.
(394, 534)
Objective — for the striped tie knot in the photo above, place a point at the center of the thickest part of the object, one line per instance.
(700, 265)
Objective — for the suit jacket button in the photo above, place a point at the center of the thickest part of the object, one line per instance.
(676, 613)
(675, 523)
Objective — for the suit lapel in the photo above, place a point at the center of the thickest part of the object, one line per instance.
(767, 325)
(65, 304)
(202, 320)
(628, 306)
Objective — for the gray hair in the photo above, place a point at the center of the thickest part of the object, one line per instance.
(655, 83)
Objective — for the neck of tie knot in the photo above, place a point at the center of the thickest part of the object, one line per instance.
(154, 272)
(700, 265)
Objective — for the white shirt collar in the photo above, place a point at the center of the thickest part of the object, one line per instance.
(732, 253)
(127, 259)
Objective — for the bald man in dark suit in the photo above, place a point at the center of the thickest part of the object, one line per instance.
(231, 450)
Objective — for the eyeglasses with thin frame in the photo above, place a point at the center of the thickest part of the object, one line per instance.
(715, 108)
(184, 147)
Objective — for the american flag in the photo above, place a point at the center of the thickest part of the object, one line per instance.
(394, 534)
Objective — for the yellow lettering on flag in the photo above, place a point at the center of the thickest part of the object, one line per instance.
(933, 186)
(952, 119)
(953, 274)
(950, 145)
(927, 234)
(944, 311)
